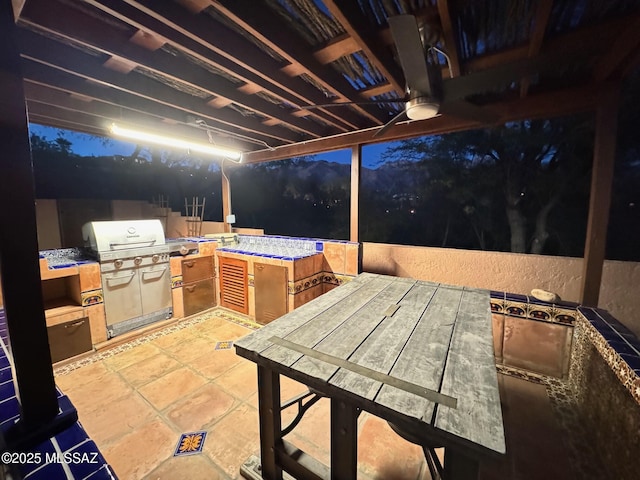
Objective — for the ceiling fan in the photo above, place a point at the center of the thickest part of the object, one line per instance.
(424, 94)
(427, 95)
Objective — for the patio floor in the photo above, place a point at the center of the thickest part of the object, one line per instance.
(137, 399)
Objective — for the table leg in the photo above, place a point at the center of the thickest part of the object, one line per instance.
(344, 440)
(458, 466)
(270, 422)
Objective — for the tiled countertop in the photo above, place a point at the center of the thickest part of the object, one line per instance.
(66, 257)
(618, 346)
(276, 246)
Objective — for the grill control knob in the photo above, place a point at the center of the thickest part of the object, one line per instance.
(155, 258)
(137, 260)
(117, 263)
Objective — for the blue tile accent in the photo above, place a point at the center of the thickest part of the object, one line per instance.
(49, 471)
(190, 443)
(86, 459)
(319, 246)
(105, 473)
(516, 297)
(621, 347)
(632, 360)
(71, 438)
(7, 390)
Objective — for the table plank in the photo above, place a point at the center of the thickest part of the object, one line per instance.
(423, 358)
(326, 322)
(382, 348)
(342, 341)
(259, 340)
(470, 376)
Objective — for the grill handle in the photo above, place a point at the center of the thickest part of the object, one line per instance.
(153, 275)
(127, 244)
(127, 277)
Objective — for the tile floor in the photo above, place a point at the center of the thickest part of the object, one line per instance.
(135, 402)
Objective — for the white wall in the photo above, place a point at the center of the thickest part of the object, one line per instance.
(511, 272)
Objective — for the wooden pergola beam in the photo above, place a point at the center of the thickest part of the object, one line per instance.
(593, 38)
(336, 48)
(544, 105)
(449, 37)
(87, 31)
(126, 103)
(257, 19)
(38, 49)
(624, 46)
(188, 34)
(536, 37)
(347, 15)
(600, 197)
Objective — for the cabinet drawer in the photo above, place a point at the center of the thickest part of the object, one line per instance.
(198, 296)
(196, 269)
(69, 339)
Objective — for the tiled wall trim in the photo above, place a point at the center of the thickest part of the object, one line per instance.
(293, 288)
(616, 344)
(523, 306)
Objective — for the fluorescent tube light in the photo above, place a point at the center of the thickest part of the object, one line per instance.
(176, 142)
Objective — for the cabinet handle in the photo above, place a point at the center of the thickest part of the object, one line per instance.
(190, 288)
(77, 324)
(189, 263)
(259, 267)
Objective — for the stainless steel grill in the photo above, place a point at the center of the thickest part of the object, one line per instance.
(135, 272)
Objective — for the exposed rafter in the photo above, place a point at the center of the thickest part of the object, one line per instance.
(249, 69)
(538, 28)
(449, 37)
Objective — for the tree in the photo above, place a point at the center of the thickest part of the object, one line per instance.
(534, 164)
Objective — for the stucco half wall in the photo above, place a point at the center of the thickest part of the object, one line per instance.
(510, 272)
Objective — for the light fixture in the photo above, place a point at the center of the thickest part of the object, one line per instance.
(422, 108)
(176, 142)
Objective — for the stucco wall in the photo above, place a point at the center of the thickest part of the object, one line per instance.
(510, 272)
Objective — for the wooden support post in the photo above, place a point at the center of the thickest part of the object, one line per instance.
(226, 201)
(356, 164)
(600, 198)
(344, 440)
(270, 422)
(19, 259)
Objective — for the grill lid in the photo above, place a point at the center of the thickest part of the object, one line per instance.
(122, 234)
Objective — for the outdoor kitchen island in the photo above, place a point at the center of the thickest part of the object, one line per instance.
(73, 287)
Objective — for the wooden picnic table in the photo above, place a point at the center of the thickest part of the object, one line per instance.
(415, 353)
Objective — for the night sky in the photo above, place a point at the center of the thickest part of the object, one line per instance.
(88, 145)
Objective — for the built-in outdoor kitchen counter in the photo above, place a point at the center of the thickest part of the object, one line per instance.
(72, 294)
(589, 351)
(262, 277)
(266, 276)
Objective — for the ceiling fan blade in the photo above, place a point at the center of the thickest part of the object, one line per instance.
(405, 33)
(501, 76)
(469, 111)
(391, 123)
(340, 104)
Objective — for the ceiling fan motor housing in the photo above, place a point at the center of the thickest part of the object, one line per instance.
(422, 108)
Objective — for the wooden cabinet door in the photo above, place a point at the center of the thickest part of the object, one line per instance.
(233, 284)
(196, 269)
(271, 292)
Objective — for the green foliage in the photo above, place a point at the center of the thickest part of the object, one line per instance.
(506, 188)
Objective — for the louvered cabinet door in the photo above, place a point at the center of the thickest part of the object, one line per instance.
(233, 284)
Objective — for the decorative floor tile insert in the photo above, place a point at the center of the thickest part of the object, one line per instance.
(190, 444)
(224, 345)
